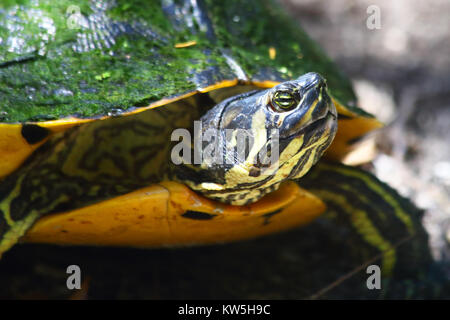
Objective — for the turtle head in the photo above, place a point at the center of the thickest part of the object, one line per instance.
(252, 142)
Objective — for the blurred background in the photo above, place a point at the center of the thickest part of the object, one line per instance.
(401, 73)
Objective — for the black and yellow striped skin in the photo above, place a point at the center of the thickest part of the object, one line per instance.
(380, 227)
(303, 132)
(378, 213)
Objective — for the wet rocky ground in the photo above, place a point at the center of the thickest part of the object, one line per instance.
(401, 73)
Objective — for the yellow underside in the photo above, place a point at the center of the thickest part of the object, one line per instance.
(152, 217)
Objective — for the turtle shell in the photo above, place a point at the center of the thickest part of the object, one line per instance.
(64, 64)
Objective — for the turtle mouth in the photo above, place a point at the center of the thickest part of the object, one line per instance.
(329, 119)
(318, 125)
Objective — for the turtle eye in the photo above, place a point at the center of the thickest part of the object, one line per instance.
(283, 100)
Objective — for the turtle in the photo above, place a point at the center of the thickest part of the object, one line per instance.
(121, 123)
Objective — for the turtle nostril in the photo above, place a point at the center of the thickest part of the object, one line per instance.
(322, 86)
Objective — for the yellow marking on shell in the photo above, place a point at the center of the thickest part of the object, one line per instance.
(185, 44)
(272, 53)
(223, 84)
(265, 84)
(349, 129)
(367, 230)
(341, 109)
(14, 149)
(63, 124)
(384, 195)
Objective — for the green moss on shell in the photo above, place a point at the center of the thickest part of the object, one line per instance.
(55, 81)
